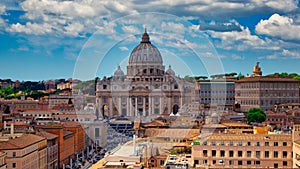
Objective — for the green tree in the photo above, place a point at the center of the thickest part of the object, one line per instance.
(189, 78)
(256, 115)
(284, 74)
(231, 74)
(240, 76)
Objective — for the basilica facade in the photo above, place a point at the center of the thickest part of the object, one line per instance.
(146, 88)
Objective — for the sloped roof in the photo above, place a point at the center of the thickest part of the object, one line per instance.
(48, 136)
(155, 123)
(20, 142)
(267, 79)
(171, 132)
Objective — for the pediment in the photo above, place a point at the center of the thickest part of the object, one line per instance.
(140, 89)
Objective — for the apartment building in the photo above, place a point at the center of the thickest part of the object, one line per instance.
(78, 131)
(27, 151)
(215, 92)
(243, 151)
(52, 149)
(66, 142)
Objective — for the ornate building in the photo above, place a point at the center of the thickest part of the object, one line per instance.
(146, 89)
(265, 91)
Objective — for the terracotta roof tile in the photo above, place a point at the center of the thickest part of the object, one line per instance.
(20, 142)
(267, 79)
(48, 136)
(248, 137)
(171, 132)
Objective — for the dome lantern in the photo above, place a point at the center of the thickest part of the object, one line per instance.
(145, 52)
(145, 37)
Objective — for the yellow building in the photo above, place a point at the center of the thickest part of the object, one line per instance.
(27, 151)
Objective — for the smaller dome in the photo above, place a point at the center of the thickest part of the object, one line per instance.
(170, 71)
(119, 72)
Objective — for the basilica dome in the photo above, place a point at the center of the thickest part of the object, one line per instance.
(145, 52)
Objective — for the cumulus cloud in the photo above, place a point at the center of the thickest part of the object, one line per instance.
(67, 8)
(173, 27)
(279, 26)
(284, 54)
(2, 9)
(129, 29)
(292, 54)
(237, 57)
(74, 29)
(81, 18)
(285, 6)
(62, 15)
(238, 40)
(92, 13)
(31, 28)
(220, 26)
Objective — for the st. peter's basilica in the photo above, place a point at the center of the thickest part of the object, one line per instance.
(145, 89)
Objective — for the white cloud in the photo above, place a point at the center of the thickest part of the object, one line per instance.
(123, 48)
(284, 54)
(291, 54)
(74, 29)
(31, 28)
(237, 57)
(61, 15)
(238, 40)
(2, 9)
(279, 26)
(173, 27)
(23, 48)
(67, 8)
(129, 29)
(286, 5)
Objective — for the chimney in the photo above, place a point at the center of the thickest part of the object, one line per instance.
(12, 130)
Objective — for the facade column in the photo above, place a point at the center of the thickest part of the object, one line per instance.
(181, 103)
(136, 112)
(100, 108)
(127, 106)
(169, 104)
(152, 105)
(144, 106)
(110, 106)
(130, 107)
(149, 105)
(120, 108)
(160, 105)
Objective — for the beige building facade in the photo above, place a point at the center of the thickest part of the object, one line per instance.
(296, 146)
(27, 151)
(265, 91)
(244, 151)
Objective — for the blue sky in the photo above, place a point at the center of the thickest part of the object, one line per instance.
(47, 39)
